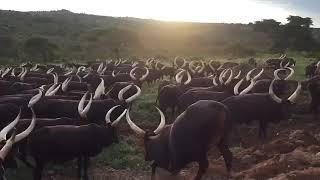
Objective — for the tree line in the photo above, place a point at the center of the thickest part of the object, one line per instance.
(45, 37)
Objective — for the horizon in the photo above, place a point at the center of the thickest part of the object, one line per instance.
(204, 11)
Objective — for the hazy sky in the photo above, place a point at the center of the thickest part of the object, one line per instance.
(229, 11)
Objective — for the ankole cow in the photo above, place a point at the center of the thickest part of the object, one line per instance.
(187, 140)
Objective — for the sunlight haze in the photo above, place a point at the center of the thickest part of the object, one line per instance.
(227, 11)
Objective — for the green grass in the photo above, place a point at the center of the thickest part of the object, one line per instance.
(128, 153)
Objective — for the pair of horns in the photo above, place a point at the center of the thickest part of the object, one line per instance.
(246, 90)
(143, 77)
(65, 84)
(23, 74)
(52, 90)
(248, 76)
(179, 77)
(198, 69)
(6, 72)
(140, 131)
(223, 74)
(276, 76)
(176, 64)
(50, 71)
(15, 137)
(292, 98)
(133, 97)
(108, 116)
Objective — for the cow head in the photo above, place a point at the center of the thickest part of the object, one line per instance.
(286, 104)
(152, 140)
(111, 125)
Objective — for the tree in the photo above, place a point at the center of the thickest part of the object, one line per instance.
(269, 26)
(40, 48)
(299, 21)
(298, 34)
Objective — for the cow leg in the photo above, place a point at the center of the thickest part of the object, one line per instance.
(85, 166)
(79, 166)
(263, 130)
(37, 173)
(227, 154)
(313, 109)
(173, 110)
(203, 166)
(153, 171)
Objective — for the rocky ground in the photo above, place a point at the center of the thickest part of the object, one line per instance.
(291, 152)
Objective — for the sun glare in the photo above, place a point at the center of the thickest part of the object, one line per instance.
(228, 11)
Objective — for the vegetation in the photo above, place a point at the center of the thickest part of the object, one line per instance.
(63, 35)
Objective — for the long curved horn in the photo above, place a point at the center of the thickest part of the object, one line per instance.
(100, 68)
(189, 78)
(202, 68)
(214, 82)
(221, 76)
(156, 66)
(131, 74)
(108, 116)
(103, 70)
(210, 65)
(122, 91)
(23, 75)
(246, 90)
(22, 71)
(133, 126)
(55, 90)
(293, 97)
(135, 96)
(162, 122)
(55, 78)
(249, 74)
(272, 94)
(68, 73)
(230, 77)
(26, 132)
(179, 77)
(7, 147)
(145, 75)
(65, 84)
(100, 90)
(238, 75)
(291, 73)
(13, 72)
(191, 66)
(4, 131)
(35, 99)
(6, 72)
(50, 70)
(184, 63)
(236, 87)
(275, 73)
(258, 75)
(83, 112)
(52, 90)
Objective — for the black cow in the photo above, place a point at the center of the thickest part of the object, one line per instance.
(265, 107)
(187, 140)
(66, 142)
(313, 85)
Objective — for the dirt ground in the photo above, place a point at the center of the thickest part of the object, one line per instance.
(291, 152)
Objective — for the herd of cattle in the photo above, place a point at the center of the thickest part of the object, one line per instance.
(58, 113)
